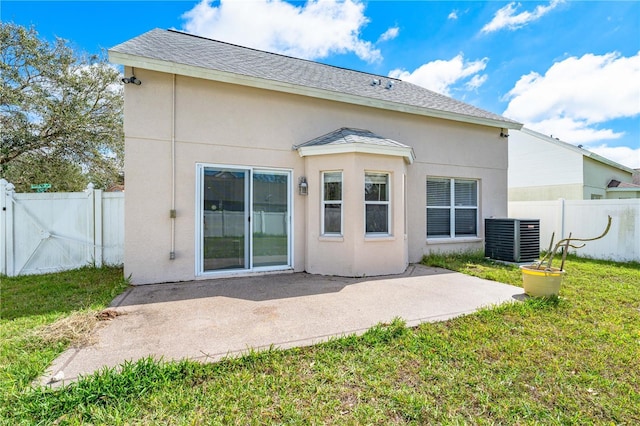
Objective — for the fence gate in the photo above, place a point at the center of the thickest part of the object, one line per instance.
(49, 232)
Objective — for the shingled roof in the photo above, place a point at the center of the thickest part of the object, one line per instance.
(347, 135)
(185, 54)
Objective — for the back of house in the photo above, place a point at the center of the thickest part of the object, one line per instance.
(240, 161)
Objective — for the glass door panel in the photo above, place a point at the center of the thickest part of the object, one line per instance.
(270, 220)
(225, 219)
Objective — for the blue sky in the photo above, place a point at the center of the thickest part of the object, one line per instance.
(564, 68)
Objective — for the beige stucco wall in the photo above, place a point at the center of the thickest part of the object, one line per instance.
(226, 124)
(353, 253)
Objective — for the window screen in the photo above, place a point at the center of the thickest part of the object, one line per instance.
(452, 208)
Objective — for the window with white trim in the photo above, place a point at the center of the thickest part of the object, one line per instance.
(376, 203)
(452, 208)
(331, 203)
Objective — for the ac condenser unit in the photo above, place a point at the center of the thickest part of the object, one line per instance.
(512, 240)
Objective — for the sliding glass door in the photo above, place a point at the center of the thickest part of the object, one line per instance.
(270, 218)
(224, 219)
(244, 217)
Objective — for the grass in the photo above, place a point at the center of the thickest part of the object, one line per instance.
(35, 309)
(568, 360)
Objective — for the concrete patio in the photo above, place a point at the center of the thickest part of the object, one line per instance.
(208, 320)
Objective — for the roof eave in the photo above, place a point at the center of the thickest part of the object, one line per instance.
(227, 77)
(581, 151)
(604, 160)
(407, 152)
(617, 189)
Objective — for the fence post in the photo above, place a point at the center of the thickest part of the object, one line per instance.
(6, 228)
(90, 229)
(97, 226)
(3, 227)
(561, 210)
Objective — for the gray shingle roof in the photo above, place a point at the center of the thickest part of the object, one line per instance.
(348, 136)
(181, 48)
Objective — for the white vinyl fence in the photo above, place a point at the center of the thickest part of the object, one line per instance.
(231, 224)
(50, 232)
(586, 219)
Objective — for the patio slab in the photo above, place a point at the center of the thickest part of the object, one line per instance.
(211, 319)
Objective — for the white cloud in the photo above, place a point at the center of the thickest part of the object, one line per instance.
(441, 75)
(624, 155)
(572, 130)
(316, 29)
(453, 15)
(390, 34)
(476, 81)
(577, 96)
(507, 18)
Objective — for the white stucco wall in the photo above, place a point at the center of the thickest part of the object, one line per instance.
(542, 170)
(221, 123)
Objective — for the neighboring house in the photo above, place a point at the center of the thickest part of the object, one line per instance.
(545, 168)
(243, 161)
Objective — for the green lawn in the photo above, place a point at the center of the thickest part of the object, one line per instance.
(29, 304)
(568, 360)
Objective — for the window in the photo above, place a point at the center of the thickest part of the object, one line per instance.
(332, 203)
(376, 203)
(452, 208)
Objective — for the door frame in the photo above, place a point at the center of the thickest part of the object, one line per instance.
(199, 228)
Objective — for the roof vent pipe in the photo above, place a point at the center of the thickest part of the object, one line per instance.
(389, 85)
(375, 82)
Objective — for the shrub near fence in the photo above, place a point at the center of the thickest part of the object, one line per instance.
(587, 218)
(47, 232)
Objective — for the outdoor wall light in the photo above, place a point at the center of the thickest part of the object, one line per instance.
(303, 188)
(503, 133)
(131, 79)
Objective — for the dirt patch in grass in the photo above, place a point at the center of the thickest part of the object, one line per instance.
(77, 330)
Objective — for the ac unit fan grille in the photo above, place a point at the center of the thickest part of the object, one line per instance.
(512, 240)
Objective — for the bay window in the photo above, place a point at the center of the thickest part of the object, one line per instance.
(376, 200)
(331, 203)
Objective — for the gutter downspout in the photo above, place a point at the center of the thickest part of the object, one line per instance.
(172, 212)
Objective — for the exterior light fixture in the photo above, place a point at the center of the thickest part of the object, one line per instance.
(131, 79)
(303, 187)
(503, 133)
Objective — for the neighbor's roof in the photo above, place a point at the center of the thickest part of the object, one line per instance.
(355, 140)
(185, 54)
(616, 185)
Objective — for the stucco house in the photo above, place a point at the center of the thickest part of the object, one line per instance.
(240, 161)
(545, 168)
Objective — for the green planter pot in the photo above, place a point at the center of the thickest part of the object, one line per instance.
(540, 282)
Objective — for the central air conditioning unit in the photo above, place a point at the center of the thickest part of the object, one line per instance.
(512, 240)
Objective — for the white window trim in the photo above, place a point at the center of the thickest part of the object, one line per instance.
(323, 202)
(452, 215)
(387, 203)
